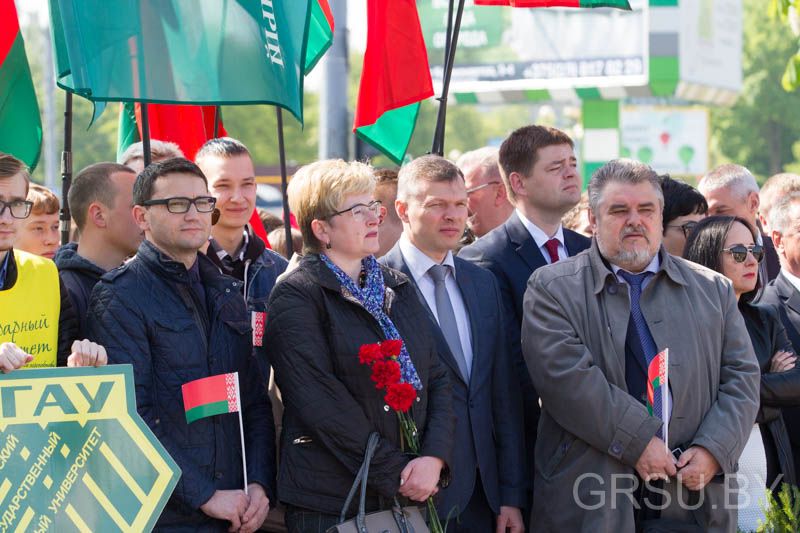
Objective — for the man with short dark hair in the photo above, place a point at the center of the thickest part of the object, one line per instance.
(684, 207)
(234, 248)
(101, 202)
(488, 201)
(175, 318)
(31, 292)
(488, 486)
(539, 169)
(594, 325)
(390, 227)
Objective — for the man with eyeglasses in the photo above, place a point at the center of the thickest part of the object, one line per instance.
(38, 327)
(487, 199)
(175, 318)
(684, 207)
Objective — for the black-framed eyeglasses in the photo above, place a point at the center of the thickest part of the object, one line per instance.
(18, 208)
(479, 187)
(739, 252)
(686, 227)
(359, 211)
(180, 204)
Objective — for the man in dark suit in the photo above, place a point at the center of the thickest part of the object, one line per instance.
(539, 169)
(784, 292)
(488, 485)
(732, 190)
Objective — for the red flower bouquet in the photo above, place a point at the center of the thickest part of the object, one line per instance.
(382, 358)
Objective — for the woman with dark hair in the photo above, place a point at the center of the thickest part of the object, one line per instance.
(684, 207)
(727, 245)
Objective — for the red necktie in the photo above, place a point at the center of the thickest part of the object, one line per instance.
(552, 250)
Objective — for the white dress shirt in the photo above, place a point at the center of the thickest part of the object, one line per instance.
(794, 280)
(419, 264)
(540, 238)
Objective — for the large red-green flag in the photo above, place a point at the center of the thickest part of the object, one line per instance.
(320, 33)
(395, 78)
(620, 4)
(183, 51)
(20, 125)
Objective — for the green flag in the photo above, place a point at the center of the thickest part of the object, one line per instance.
(20, 125)
(183, 51)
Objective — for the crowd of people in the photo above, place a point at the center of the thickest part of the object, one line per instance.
(528, 317)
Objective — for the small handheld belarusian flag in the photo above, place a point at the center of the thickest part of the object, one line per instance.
(658, 390)
(211, 396)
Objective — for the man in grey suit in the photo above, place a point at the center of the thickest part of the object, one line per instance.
(592, 325)
(487, 487)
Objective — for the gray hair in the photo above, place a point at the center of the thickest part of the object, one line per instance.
(158, 150)
(485, 159)
(627, 171)
(780, 216)
(776, 187)
(432, 168)
(735, 178)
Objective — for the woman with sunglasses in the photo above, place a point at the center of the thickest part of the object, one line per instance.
(337, 300)
(727, 245)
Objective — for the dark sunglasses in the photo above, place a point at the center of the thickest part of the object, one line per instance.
(739, 252)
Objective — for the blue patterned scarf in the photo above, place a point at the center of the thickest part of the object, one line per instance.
(371, 298)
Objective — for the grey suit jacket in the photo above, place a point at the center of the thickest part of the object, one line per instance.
(592, 431)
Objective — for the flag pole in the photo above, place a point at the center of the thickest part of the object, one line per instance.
(217, 113)
(147, 155)
(665, 400)
(287, 224)
(66, 170)
(438, 136)
(241, 431)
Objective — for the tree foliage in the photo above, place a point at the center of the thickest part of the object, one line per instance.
(760, 129)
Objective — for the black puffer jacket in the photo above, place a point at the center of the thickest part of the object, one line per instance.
(331, 405)
(146, 314)
(79, 276)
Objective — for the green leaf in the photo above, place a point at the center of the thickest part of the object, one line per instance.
(791, 78)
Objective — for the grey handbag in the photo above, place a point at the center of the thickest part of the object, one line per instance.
(397, 520)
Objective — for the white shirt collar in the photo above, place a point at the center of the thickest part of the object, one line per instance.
(419, 263)
(794, 280)
(539, 236)
(653, 267)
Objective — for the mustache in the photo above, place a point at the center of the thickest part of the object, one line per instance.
(630, 230)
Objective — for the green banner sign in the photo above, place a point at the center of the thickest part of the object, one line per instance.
(75, 455)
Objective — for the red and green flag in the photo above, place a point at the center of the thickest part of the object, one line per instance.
(214, 395)
(320, 33)
(619, 4)
(658, 389)
(20, 124)
(395, 78)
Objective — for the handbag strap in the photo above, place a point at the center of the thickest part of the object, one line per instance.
(361, 478)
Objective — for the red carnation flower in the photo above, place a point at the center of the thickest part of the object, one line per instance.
(400, 396)
(385, 373)
(369, 353)
(391, 348)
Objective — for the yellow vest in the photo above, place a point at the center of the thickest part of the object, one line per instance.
(30, 309)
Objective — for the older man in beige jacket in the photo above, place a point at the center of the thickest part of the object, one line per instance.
(592, 325)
